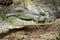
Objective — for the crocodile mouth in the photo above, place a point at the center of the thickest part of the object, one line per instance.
(27, 22)
(25, 17)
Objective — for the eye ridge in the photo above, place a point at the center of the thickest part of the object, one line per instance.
(6, 2)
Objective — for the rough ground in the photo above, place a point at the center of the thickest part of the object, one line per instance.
(35, 33)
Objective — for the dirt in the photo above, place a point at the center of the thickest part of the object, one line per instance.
(35, 33)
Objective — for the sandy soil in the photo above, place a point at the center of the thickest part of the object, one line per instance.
(35, 33)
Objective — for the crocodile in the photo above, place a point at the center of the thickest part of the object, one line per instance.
(27, 13)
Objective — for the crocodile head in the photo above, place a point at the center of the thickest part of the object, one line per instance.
(20, 16)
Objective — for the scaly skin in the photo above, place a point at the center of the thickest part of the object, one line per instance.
(29, 12)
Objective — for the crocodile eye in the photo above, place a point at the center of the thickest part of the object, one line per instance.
(31, 0)
(6, 2)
